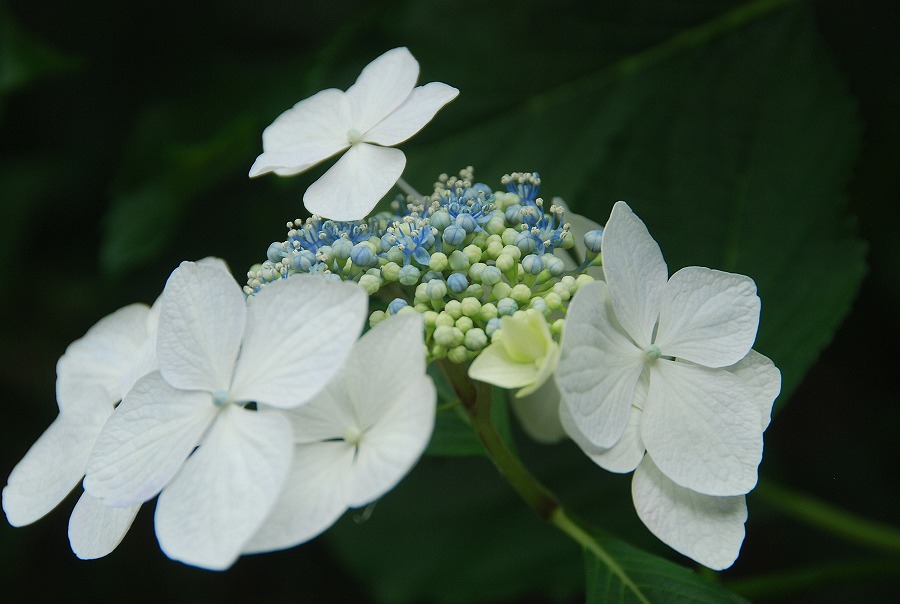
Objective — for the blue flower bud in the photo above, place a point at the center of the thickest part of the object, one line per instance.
(492, 326)
(395, 305)
(526, 242)
(276, 252)
(506, 306)
(593, 239)
(454, 235)
(554, 264)
(491, 275)
(362, 255)
(466, 222)
(513, 214)
(303, 261)
(532, 264)
(457, 282)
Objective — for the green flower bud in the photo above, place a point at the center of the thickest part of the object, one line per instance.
(376, 317)
(494, 248)
(444, 320)
(429, 317)
(475, 339)
(409, 275)
(582, 280)
(474, 291)
(464, 324)
(500, 290)
(370, 283)
(554, 301)
(473, 253)
(459, 261)
(521, 294)
(395, 254)
(476, 269)
(471, 307)
(390, 271)
(506, 262)
(557, 327)
(509, 236)
(457, 354)
(438, 262)
(513, 251)
(448, 336)
(488, 312)
(454, 309)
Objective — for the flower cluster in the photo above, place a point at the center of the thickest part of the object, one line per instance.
(258, 414)
(464, 257)
(245, 419)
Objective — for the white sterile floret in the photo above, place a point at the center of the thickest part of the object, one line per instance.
(357, 439)
(92, 376)
(382, 109)
(664, 365)
(216, 354)
(524, 357)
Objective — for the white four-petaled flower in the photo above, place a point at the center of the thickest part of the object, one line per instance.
(664, 365)
(382, 109)
(216, 355)
(357, 438)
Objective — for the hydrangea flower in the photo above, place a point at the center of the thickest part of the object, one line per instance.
(523, 354)
(217, 355)
(382, 109)
(356, 439)
(664, 365)
(92, 377)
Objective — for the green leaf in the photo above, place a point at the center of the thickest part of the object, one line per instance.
(734, 149)
(24, 58)
(653, 579)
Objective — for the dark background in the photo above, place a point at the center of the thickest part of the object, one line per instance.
(127, 129)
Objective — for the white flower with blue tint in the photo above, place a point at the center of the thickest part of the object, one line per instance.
(664, 365)
(382, 109)
(92, 377)
(216, 356)
(358, 438)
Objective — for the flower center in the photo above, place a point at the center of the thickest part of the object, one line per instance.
(352, 435)
(221, 398)
(652, 353)
(354, 136)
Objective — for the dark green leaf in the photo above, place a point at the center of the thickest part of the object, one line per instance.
(734, 150)
(652, 579)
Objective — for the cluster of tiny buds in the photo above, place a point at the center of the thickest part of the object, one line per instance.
(462, 257)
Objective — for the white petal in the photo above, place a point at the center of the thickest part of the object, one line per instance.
(708, 317)
(493, 365)
(410, 117)
(385, 356)
(598, 367)
(390, 448)
(146, 441)
(764, 380)
(298, 335)
(200, 326)
(95, 529)
(309, 132)
(102, 356)
(351, 188)
(622, 457)
(707, 529)
(314, 497)
(538, 413)
(55, 464)
(225, 490)
(382, 86)
(635, 271)
(702, 428)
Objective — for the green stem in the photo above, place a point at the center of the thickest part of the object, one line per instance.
(828, 518)
(476, 397)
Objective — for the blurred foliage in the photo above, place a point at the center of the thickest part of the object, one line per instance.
(739, 131)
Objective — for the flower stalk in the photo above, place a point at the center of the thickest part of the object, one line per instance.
(476, 398)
